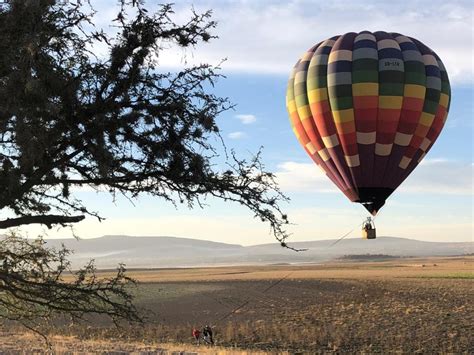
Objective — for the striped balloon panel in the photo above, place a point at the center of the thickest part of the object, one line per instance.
(314, 149)
(420, 141)
(365, 91)
(339, 86)
(414, 91)
(322, 115)
(368, 106)
(391, 89)
(441, 111)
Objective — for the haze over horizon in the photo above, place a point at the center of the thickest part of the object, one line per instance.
(434, 204)
(152, 252)
(354, 236)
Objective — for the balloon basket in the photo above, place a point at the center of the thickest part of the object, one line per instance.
(368, 229)
(369, 233)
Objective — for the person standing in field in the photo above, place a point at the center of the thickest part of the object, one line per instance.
(207, 335)
(197, 335)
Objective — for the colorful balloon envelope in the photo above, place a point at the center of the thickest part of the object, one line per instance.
(367, 107)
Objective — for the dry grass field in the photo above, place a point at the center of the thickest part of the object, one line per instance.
(402, 305)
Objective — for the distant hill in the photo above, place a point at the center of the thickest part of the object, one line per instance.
(149, 252)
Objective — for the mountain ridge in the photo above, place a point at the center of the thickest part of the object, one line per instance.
(123, 236)
(169, 251)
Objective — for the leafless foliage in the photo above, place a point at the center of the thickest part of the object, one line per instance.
(38, 285)
(70, 118)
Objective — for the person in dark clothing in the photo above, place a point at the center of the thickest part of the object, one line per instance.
(207, 335)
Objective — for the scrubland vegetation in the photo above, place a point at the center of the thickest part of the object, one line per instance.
(424, 310)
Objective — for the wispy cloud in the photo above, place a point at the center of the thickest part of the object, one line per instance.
(440, 176)
(303, 177)
(434, 161)
(236, 135)
(247, 119)
(435, 176)
(268, 37)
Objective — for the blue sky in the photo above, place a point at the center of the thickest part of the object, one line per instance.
(261, 41)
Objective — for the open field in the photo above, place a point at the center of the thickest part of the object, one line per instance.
(392, 269)
(403, 305)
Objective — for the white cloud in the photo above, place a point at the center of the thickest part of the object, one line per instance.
(236, 135)
(434, 161)
(269, 36)
(435, 176)
(440, 176)
(303, 177)
(247, 119)
(263, 36)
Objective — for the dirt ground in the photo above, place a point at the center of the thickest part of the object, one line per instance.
(397, 268)
(404, 305)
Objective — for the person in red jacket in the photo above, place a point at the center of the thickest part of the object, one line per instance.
(197, 335)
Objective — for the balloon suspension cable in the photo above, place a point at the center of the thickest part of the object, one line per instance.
(345, 235)
(372, 219)
(273, 284)
(242, 305)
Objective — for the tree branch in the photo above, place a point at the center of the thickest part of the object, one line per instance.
(47, 220)
(38, 285)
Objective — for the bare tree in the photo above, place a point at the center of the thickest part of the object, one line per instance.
(116, 122)
(37, 285)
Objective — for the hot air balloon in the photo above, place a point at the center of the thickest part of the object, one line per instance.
(367, 107)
